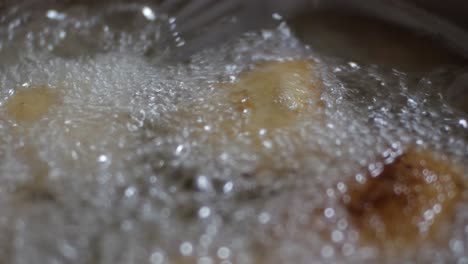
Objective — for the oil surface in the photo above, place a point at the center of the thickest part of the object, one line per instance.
(129, 159)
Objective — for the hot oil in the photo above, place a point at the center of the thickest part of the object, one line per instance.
(134, 160)
(368, 40)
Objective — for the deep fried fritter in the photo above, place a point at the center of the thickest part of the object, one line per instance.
(31, 104)
(406, 203)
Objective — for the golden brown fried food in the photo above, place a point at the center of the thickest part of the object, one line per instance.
(26, 107)
(407, 202)
(275, 94)
(35, 189)
(31, 104)
(29, 107)
(272, 96)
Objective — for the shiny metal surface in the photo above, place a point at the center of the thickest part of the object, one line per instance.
(443, 20)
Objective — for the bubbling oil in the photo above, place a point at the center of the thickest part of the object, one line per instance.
(109, 154)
